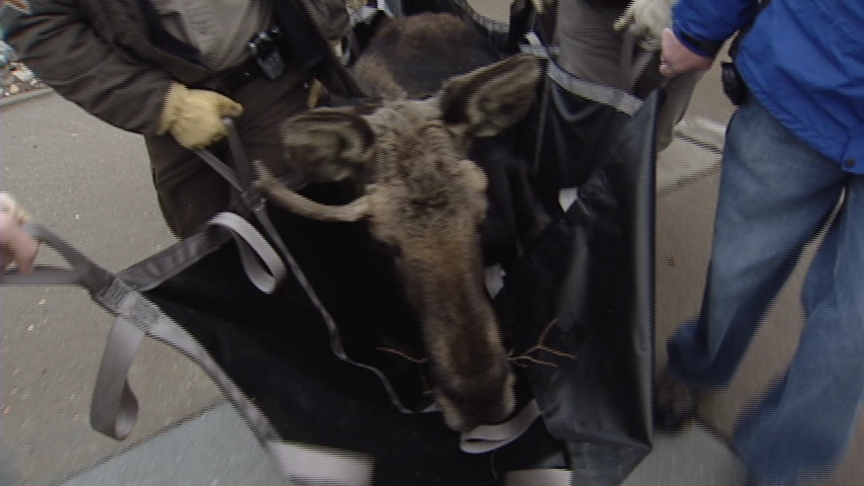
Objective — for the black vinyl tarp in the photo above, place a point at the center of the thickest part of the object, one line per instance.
(336, 362)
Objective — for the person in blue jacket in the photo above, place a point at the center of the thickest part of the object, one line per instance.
(794, 152)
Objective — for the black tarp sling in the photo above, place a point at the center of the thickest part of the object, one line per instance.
(326, 367)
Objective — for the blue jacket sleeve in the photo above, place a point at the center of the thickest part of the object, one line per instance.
(704, 25)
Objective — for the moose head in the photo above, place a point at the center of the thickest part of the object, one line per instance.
(426, 202)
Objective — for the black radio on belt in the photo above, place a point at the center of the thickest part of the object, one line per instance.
(265, 50)
(733, 85)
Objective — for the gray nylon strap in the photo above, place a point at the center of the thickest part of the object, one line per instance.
(488, 24)
(606, 95)
(241, 162)
(257, 204)
(42, 275)
(114, 409)
(538, 477)
(318, 465)
(240, 180)
(490, 437)
(538, 50)
(221, 168)
(83, 272)
(618, 99)
(249, 241)
(254, 250)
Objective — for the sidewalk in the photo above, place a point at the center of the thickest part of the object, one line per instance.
(217, 449)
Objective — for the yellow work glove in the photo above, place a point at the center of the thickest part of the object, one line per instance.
(194, 116)
(645, 20)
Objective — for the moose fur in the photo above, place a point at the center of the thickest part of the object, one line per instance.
(422, 196)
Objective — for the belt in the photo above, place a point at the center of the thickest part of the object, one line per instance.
(232, 79)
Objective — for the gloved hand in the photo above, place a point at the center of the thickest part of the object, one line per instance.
(645, 20)
(540, 5)
(194, 116)
(15, 244)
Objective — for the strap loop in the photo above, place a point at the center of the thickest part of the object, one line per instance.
(114, 408)
(490, 437)
(254, 250)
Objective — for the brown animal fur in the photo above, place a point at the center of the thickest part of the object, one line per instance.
(426, 202)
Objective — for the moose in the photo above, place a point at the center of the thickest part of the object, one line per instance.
(435, 87)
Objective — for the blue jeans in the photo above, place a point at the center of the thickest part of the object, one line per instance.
(776, 194)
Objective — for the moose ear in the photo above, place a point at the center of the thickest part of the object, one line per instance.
(487, 100)
(326, 144)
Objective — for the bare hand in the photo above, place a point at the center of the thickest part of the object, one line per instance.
(16, 245)
(676, 58)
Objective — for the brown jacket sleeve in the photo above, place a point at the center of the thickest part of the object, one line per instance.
(59, 41)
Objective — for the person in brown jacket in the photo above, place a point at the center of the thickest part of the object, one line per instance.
(172, 69)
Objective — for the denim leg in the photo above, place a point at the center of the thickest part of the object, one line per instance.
(805, 423)
(775, 194)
